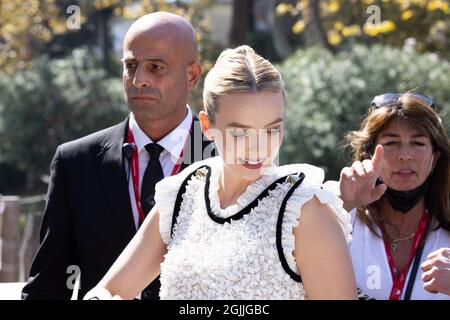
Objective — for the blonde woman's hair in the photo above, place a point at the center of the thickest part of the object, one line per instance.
(239, 70)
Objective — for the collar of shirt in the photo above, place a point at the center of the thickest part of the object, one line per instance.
(173, 142)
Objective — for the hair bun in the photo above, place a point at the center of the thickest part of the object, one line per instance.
(236, 52)
(244, 49)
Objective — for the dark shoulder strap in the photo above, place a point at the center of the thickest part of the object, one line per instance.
(412, 275)
(296, 277)
(179, 199)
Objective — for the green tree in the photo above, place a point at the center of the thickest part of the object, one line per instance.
(47, 98)
(33, 27)
(55, 101)
(337, 22)
(327, 96)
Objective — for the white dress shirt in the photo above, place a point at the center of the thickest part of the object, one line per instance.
(173, 144)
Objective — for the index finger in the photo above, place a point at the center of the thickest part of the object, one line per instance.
(377, 157)
(425, 266)
(434, 254)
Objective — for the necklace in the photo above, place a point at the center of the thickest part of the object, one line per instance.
(393, 242)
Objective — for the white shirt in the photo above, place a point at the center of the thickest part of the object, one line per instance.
(173, 143)
(373, 275)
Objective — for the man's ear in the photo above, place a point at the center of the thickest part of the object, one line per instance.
(194, 71)
(206, 125)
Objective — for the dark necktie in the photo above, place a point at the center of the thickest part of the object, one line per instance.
(152, 175)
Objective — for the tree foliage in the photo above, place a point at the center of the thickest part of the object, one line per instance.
(327, 96)
(48, 98)
(426, 22)
(55, 101)
(24, 25)
(27, 27)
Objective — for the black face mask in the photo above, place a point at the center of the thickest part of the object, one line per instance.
(404, 201)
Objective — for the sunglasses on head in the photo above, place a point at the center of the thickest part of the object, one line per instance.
(389, 99)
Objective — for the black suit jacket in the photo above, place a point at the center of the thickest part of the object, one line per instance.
(88, 219)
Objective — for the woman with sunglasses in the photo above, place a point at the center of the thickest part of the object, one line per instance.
(398, 193)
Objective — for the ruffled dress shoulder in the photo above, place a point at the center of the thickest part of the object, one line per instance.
(243, 251)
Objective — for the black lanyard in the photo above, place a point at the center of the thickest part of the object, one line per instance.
(412, 276)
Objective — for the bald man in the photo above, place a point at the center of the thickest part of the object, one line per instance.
(102, 185)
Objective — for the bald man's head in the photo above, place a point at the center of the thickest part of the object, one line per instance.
(160, 68)
(165, 26)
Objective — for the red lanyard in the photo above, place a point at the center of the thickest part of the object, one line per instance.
(134, 166)
(400, 279)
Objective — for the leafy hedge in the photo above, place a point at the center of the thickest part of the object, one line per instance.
(53, 102)
(329, 95)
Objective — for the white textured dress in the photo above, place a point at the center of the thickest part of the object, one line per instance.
(233, 253)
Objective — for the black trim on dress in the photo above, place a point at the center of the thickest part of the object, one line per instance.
(296, 277)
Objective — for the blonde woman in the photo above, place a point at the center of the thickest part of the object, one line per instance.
(237, 226)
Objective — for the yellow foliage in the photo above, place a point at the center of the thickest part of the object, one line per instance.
(433, 5)
(57, 26)
(334, 38)
(351, 31)
(338, 25)
(103, 4)
(420, 3)
(383, 27)
(335, 15)
(298, 27)
(26, 24)
(442, 5)
(406, 15)
(387, 26)
(283, 8)
(304, 4)
(22, 22)
(333, 6)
